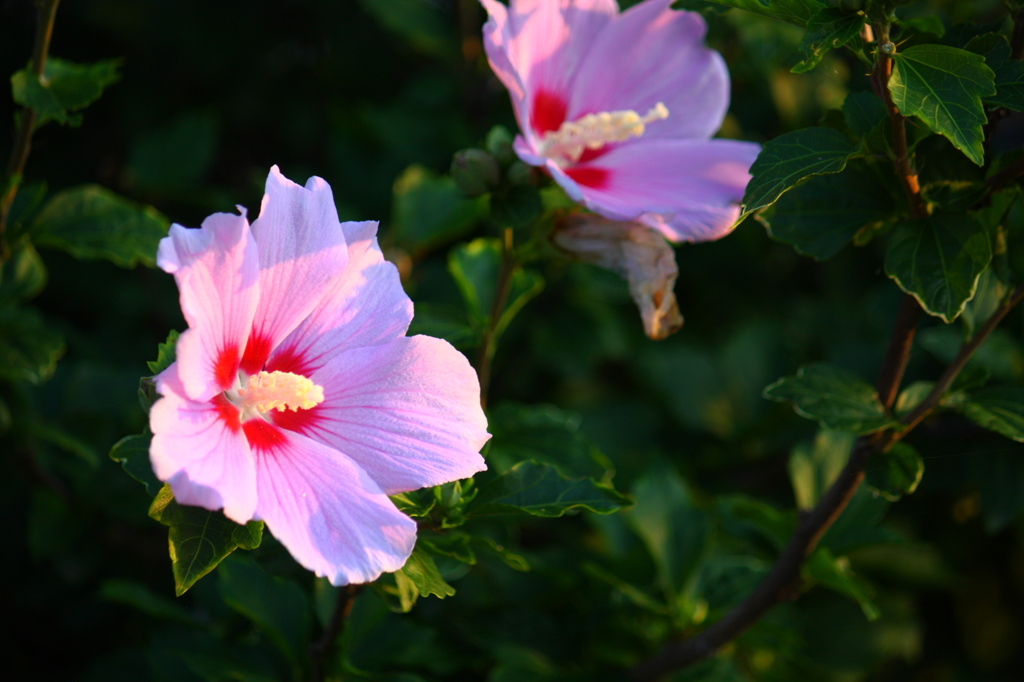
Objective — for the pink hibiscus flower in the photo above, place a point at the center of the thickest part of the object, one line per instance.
(619, 109)
(296, 397)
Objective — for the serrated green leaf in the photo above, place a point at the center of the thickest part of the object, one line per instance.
(938, 261)
(862, 112)
(542, 490)
(421, 570)
(820, 216)
(943, 86)
(675, 531)
(277, 606)
(999, 409)
(23, 275)
(165, 353)
(833, 397)
(90, 221)
(199, 539)
(788, 159)
(133, 454)
(64, 88)
(29, 349)
(895, 473)
(827, 29)
(1009, 73)
(429, 210)
(835, 574)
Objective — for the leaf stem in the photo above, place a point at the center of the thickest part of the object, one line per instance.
(23, 140)
(321, 649)
(901, 155)
(488, 344)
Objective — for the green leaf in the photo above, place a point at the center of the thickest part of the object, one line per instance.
(999, 409)
(938, 261)
(833, 397)
(133, 454)
(910, 397)
(29, 349)
(90, 221)
(895, 473)
(421, 570)
(814, 467)
(165, 354)
(199, 539)
(475, 267)
(740, 514)
(835, 574)
(64, 88)
(138, 596)
(277, 606)
(943, 86)
(863, 111)
(788, 159)
(828, 28)
(429, 210)
(675, 531)
(445, 323)
(820, 216)
(1009, 73)
(797, 12)
(634, 594)
(542, 433)
(542, 490)
(415, 503)
(23, 275)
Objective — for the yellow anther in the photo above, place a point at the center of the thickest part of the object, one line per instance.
(280, 390)
(593, 131)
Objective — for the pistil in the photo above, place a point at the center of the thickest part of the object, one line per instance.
(593, 131)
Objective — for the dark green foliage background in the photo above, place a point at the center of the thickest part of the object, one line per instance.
(212, 94)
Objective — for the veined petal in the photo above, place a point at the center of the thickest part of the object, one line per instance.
(535, 47)
(367, 306)
(200, 449)
(652, 54)
(217, 271)
(330, 515)
(408, 412)
(302, 252)
(688, 189)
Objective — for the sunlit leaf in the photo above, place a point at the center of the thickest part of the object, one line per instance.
(828, 28)
(938, 261)
(65, 88)
(895, 473)
(944, 86)
(421, 570)
(999, 409)
(199, 539)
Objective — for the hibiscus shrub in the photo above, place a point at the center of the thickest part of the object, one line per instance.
(434, 413)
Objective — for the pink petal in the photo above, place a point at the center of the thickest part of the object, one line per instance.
(302, 252)
(408, 412)
(688, 189)
(366, 307)
(330, 515)
(217, 271)
(535, 47)
(199, 448)
(652, 54)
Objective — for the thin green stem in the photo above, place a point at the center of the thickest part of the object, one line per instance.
(489, 341)
(23, 139)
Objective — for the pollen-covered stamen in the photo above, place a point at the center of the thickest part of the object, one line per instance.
(593, 131)
(267, 391)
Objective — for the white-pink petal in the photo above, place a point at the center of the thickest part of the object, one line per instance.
(200, 449)
(650, 54)
(217, 271)
(408, 412)
(328, 513)
(302, 252)
(367, 306)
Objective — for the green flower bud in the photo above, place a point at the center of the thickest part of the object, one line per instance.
(499, 143)
(475, 171)
(519, 174)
